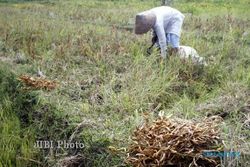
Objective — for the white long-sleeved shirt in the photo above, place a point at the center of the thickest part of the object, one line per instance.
(168, 20)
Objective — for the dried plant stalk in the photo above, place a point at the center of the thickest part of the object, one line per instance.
(174, 142)
(37, 83)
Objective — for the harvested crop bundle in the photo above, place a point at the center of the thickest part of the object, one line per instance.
(174, 142)
(37, 83)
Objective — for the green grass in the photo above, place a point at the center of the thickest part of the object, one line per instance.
(107, 82)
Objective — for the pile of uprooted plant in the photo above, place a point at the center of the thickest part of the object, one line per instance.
(175, 142)
(37, 82)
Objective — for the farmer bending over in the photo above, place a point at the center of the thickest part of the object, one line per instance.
(166, 23)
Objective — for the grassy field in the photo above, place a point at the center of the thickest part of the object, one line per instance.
(106, 81)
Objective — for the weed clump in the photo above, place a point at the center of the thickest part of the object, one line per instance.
(28, 119)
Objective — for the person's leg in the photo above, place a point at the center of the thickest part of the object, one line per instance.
(168, 39)
(174, 40)
(175, 43)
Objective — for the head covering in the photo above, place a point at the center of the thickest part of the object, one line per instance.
(144, 21)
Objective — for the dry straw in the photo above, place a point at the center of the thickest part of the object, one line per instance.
(37, 83)
(175, 142)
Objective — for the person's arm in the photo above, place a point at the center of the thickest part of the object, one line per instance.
(160, 32)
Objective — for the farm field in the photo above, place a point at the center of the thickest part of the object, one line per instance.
(105, 84)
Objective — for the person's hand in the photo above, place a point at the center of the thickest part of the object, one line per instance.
(164, 53)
